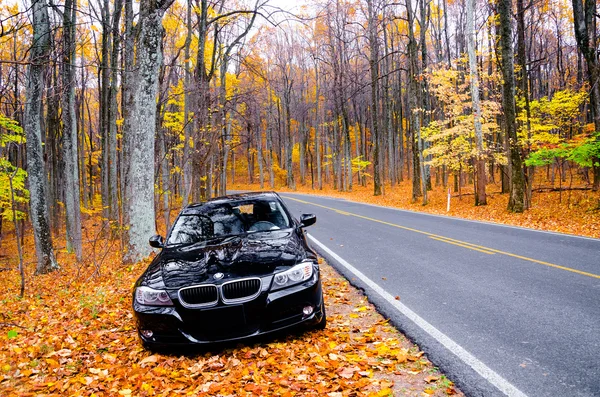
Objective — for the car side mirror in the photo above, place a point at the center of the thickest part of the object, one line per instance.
(307, 219)
(157, 241)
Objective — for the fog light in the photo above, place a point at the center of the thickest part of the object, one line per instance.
(308, 310)
(146, 333)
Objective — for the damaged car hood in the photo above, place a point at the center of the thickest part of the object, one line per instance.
(252, 254)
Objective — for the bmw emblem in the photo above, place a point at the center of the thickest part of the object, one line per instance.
(218, 276)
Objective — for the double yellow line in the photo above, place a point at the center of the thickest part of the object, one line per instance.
(448, 240)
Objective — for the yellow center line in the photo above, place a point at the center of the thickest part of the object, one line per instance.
(463, 245)
(460, 243)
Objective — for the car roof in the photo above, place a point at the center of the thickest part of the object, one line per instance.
(232, 198)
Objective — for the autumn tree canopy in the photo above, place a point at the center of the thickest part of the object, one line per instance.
(135, 108)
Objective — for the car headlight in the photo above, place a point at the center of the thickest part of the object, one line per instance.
(295, 275)
(152, 297)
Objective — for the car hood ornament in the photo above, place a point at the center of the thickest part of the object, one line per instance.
(218, 276)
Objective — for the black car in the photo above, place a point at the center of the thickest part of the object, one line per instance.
(231, 268)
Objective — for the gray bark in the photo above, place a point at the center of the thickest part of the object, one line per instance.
(69, 121)
(584, 17)
(188, 124)
(480, 198)
(46, 261)
(516, 202)
(317, 127)
(139, 191)
(112, 162)
(374, 68)
(419, 185)
(126, 104)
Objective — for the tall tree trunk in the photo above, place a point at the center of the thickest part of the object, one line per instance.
(374, 68)
(104, 105)
(523, 82)
(516, 202)
(425, 14)
(113, 182)
(584, 17)
(259, 152)
(419, 185)
(387, 109)
(290, 143)
(317, 129)
(188, 124)
(224, 128)
(480, 197)
(165, 182)
(126, 104)
(38, 55)
(71, 171)
(139, 191)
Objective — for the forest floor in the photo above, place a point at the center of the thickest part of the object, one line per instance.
(567, 211)
(73, 333)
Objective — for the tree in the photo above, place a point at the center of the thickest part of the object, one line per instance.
(70, 156)
(584, 19)
(39, 55)
(374, 68)
(139, 191)
(480, 179)
(516, 201)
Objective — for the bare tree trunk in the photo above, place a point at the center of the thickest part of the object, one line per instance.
(81, 139)
(113, 182)
(126, 106)
(480, 198)
(187, 123)
(290, 144)
(46, 261)
(419, 185)
(374, 68)
(270, 157)
(425, 12)
(165, 185)
(516, 201)
(523, 81)
(71, 172)
(259, 152)
(317, 130)
(139, 191)
(584, 17)
(104, 105)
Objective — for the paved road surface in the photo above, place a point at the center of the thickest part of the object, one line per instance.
(502, 310)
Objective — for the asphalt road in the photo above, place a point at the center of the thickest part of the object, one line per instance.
(502, 310)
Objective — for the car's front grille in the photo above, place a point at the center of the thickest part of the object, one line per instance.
(199, 296)
(240, 290)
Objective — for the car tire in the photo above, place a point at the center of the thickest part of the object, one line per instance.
(323, 323)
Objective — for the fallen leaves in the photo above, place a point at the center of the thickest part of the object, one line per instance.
(76, 336)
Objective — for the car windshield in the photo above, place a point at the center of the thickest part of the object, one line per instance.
(222, 218)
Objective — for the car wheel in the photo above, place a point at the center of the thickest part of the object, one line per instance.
(323, 323)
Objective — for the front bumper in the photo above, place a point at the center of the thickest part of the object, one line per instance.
(267, 313)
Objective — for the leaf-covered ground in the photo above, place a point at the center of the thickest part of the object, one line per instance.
(73, 334)
(572, 211)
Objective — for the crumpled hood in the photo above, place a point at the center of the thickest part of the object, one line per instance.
(254, 254)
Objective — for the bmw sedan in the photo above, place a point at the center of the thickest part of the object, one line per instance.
(231, 268)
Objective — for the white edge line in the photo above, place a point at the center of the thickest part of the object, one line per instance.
(448, 217)
(487, 373)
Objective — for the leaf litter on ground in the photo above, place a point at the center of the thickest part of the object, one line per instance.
(73, 334)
